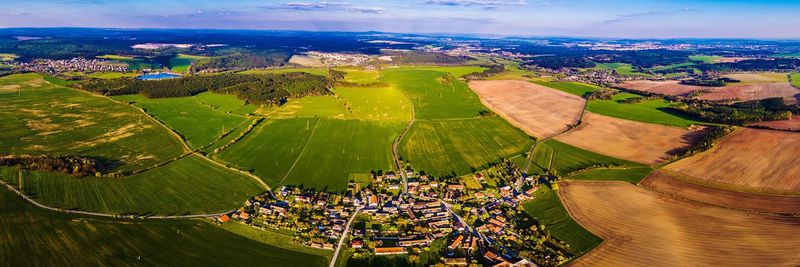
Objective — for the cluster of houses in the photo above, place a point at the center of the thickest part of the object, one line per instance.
(72, 65)
(340, 59)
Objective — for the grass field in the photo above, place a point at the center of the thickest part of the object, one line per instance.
(34, 237)
(182, 62)
(319, 153)
(566, 159)
(622, 69)
(326, 106)
(705, 59)
(386, 103)
(189, 185)
(111, 75)
(316, 71)
(796, 80)
(7, 57)
(650, 111)
(432, 99)
(644, 228)
(134, 63)
(457, 147)
(199, 124)
(575, 88)
(41, 118)
(548, 210)
(274, 238)
(225, 103)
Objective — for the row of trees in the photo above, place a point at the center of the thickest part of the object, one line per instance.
(69, 165)
(739, 113)
(255, 89)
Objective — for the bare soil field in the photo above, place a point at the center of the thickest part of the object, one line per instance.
(753, 91)
(306, 61)
(644, 228)
(667, 184)
(662, 87)
(751, 160)
(630, 140)
(538, 110)
(792, 124)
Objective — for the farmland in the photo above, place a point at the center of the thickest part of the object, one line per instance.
(134, 63)
(198, 123)
(622, 69)
(632, 175)
(792, 124)
(548, 210)
(189, 185)
(40, 118)
(563, 159)
(30, 236)
(749, 160)
(316, 152)
(382, 103)
(644, 228)
(554, 111)
(182, 62)
(755, 86)
(662, 182)
(456, 147)
(673, 88)
(796, 80)
(433, 99)
(649, 111)
(578, 89)
(636, 141)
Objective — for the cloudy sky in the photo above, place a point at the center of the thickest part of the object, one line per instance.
(584, 18)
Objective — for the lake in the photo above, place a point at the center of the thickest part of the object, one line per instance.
(158, 76)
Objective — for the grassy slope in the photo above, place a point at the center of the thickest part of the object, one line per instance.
(182, 62)
(45, 119)
(189, 185)
(650, 111)
(566, 159)
(199, 124)
(33, 237)
(461, 146)
(432, 99)
(548, 210)
(622, 69)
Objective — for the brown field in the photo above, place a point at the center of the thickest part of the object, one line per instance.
(753, 91)
(667, 184)
(538, 110)
(644, 228)
(306, 61)
(752, 160)
(662, 87)
(631, 140)
(792, 124)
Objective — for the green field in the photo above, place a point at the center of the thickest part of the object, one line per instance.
(309, 107)
(197, 122)
(134, 63)
(632, 175)
(386, 103)
(7, 57)
(225, 103)
(432, 99)
(319, 153)
(457, 147)
(182, 62)
(547, 209)
(796, 80)
(575, 88)
(566, 159)
(41, 118)
(651, 111)
(316, 71)
(705, 59)
(623, 69)
(33, 237)
(275, 238)
(189, 185)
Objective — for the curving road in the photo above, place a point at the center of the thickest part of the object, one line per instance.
(342, 239)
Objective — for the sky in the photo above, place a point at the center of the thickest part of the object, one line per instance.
(571, 18)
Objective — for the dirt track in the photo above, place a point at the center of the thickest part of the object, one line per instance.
(538, 110)
(754, 160)
(644, 228)
(635, 141)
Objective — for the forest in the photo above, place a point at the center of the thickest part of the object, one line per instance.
(69, 165)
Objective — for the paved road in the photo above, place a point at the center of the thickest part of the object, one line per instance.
(40, 205)
(343, 238)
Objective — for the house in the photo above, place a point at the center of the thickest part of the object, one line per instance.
(455, 242)
(224, 218)
(357, 243)
(244, 216)
(390, 251)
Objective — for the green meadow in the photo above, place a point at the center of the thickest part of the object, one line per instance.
(705, 59)
(33, 237)
(190, 185)
(796, 80)
(547, 209)
(564, 159)
(315, 71)
(134, 63)
(650, 111)
(41, 118)
(182, 62)
(623, 69)
(632, 175)
(431, 98)
(199, 123)
(457, 147)
(381, 103)
(575, 88)
(319, 153)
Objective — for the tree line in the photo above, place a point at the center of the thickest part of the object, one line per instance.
(252, 88)
(69, 165)
(738, 113)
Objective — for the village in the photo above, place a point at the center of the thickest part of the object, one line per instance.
(72, 65)
(457, 221)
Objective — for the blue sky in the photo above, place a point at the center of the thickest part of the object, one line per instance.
(584, 18)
